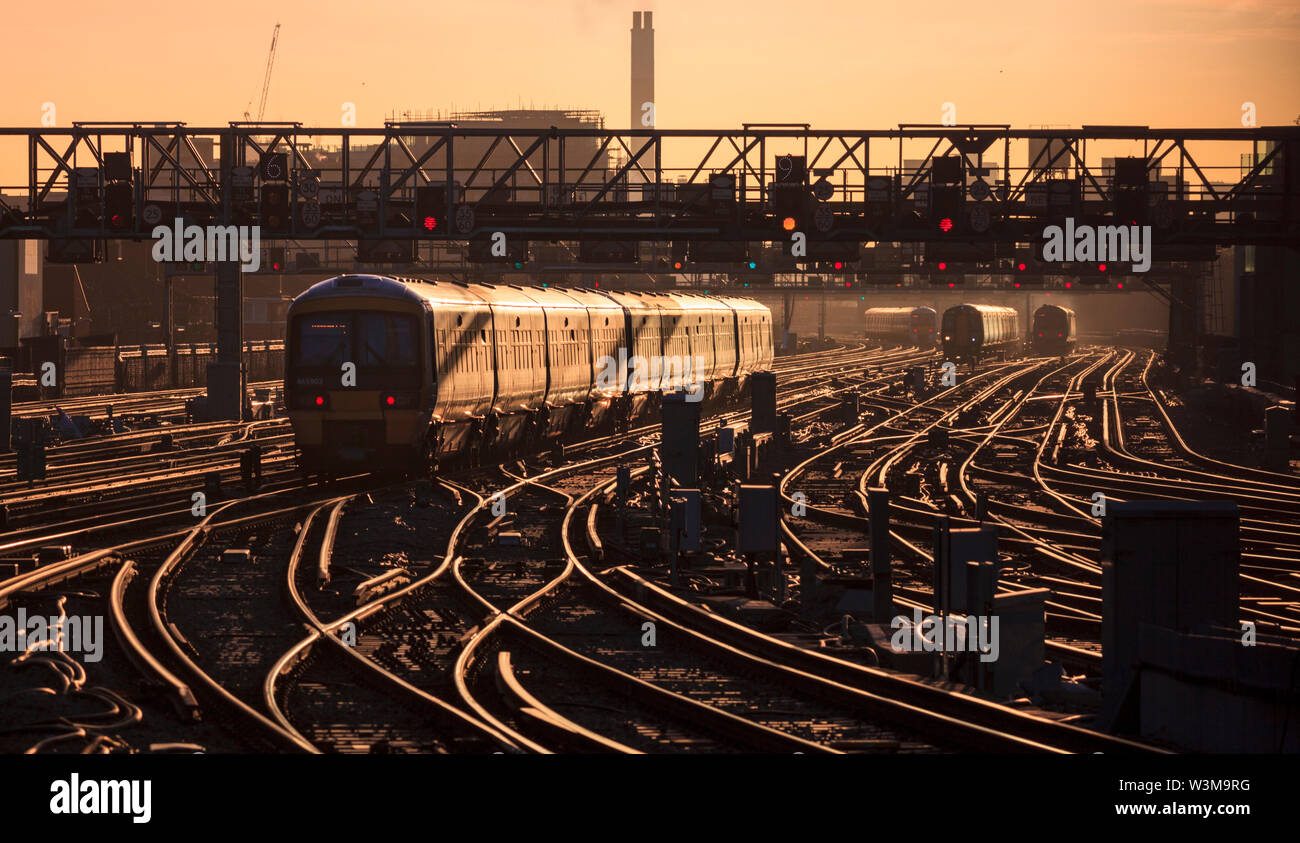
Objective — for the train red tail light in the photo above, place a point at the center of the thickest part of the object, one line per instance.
(398, 400)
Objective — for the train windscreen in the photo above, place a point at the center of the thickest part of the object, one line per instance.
(386, 339)
(323, 339)
(369, 339)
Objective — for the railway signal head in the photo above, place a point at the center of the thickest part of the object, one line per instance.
(119, 201)
(275, 207)
(431, 208)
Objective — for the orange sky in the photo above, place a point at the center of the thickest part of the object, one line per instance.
(831, 63)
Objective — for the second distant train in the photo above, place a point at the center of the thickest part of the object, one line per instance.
(901, 325)
(972, 331)
(1053, 331)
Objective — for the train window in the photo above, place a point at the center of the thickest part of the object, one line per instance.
(572, 334)
(460, 318)
(385, 339)
(323, 340)
(606, 320)
(516, 321)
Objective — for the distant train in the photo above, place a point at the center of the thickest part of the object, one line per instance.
(384, 372)
(901, 325)
(1053, 331)
(972, 331)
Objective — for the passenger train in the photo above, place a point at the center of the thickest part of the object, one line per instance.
(388, 372)
(972, 331)
(901, 325)
(1053, 331)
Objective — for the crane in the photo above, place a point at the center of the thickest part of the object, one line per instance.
(266, 80)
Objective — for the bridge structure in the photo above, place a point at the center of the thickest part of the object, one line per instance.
(755, 204)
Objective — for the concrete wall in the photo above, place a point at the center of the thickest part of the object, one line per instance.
(21, 271)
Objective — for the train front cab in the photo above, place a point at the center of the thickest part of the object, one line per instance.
(922, 322)
(962, 332)
(355, 376)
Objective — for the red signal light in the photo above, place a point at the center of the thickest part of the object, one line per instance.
(951, 284)
(942, 266)
(1017, 285)
(1021, 267)
(788, 223)
(390, 400)
(320, 400)
(1120, 285)
(1068, 285)
(839, 264)
(430, 223)
(1101, 267)
(945, 224)
(677, 264)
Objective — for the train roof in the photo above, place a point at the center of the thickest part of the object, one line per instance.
(350, 285)
(991, 309)
(1068, 310)
(891, 310)
(413, 289)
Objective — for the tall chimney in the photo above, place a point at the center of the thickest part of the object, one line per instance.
(643, 70)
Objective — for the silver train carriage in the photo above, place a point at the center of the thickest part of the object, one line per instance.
(396, 372)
